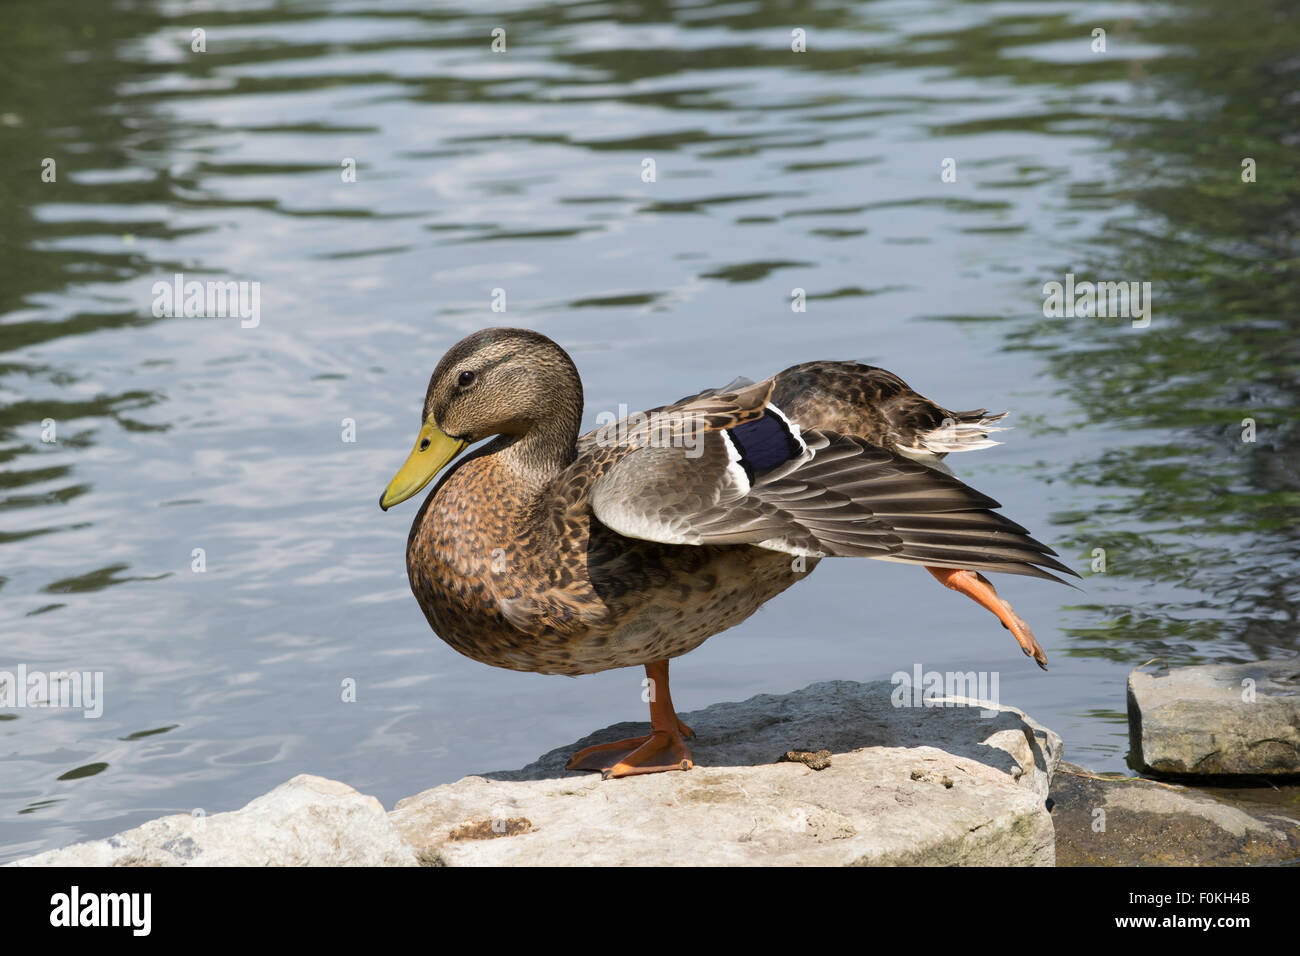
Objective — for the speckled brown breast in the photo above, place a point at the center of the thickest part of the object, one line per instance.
(603, 601)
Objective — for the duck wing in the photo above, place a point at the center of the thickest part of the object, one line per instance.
(730, 467)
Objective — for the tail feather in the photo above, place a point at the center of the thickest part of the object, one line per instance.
(965, 431)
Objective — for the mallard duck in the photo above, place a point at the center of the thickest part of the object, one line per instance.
(551, 552)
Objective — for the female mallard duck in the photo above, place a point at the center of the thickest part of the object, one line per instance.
(633, 544)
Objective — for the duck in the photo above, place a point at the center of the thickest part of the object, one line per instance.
(546, 551)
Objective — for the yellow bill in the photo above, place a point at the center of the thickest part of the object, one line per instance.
(432, 451)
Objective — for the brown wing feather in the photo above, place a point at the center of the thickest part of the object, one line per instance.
(845, 497)
(874, 404)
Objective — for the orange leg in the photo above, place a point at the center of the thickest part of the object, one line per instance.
(980, 590)
(662, 749)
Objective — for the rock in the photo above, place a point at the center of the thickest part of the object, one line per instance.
(1217, 719)
(308, 821)
(1127, 821)
(910, 785)
(831, 774)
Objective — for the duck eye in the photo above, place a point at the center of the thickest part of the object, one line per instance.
(466, 378)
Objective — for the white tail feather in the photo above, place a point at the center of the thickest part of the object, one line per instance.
(962, 436)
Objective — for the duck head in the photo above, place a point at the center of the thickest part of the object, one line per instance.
(511, 382)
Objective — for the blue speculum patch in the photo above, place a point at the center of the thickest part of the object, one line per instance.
(764, 443)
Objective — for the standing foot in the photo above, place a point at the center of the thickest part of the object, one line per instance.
(659, 751)
(662, 749)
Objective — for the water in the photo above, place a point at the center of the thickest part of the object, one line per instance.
(522, 171)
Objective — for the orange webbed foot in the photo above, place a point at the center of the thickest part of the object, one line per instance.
(659, 751)
(980, 589)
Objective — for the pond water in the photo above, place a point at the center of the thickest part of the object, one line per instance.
(522, 170)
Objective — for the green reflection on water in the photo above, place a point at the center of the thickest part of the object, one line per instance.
(1191, 504)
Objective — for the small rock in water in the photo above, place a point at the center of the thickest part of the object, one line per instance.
(1217, 719)
(308, 821)
(1112, 820)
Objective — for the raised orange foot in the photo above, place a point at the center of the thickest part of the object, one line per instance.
(980, 590)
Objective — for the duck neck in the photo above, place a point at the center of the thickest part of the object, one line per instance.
(547, 447)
